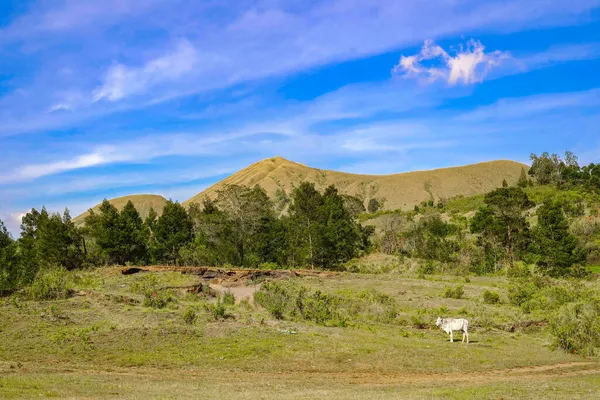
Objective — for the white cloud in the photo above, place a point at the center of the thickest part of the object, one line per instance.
(470, 64)
(122, 81)
(29, 172)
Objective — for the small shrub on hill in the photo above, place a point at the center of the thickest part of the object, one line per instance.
(456, 293)
(190, 316)
(218, 309)
(158, 298)
(228, 299)
(51, 284)
(490, 297)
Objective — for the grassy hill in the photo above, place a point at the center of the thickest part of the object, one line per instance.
(278, 177)
(142, 202)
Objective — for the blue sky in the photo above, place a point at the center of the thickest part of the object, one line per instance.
(107, 98)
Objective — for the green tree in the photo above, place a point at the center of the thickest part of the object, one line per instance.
(545, 168)
(502, 219)
(340, 237)
(555, 245)
(173, 231)
(250, 213)
(59, 242)
(504, 183)
(523, 182)
(106, 229)
(27, 243)
(373, 206)
(304, 211)
(9, 262)
(133, 236)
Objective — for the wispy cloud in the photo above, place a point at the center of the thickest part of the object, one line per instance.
(122, 81)
(470, 64)
(525, 107)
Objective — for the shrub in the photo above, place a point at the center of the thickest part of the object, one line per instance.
(491, 297)
(51, 284)
(576, 328)
(276, 298)
(521, 291)
(456, 293)
(144, 284)
(228, 298)
(218, 309)
(158, 298)
(426, 269)
(190, 316)
(269, 265)
(320, 308)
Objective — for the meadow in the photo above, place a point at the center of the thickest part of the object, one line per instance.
(147, 336)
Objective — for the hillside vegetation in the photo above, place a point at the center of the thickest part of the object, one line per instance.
(278, 177)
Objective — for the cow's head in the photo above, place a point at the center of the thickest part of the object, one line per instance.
(439, 321)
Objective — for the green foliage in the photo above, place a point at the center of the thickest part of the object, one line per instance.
(172, 231)
(9, 261)
(277, 298)
(431, 239)
(158, 298)
(228, 299)
(189, 316)
(490, 297)
(556, 246)
(373, 206)
(51, 284)
(218, 309)
(456, 293)
(523, 182)
(576, 328)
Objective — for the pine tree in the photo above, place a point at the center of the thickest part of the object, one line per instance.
(556, 246)
(340, 239)
(523, 182)
(8, 260)
(173, 230)
(132, 234)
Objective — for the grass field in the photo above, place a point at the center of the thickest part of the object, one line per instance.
(104, 343)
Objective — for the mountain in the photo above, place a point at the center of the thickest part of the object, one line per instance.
(279, 176)
(142, 202)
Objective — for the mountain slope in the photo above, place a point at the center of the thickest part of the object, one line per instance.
(142, 202)
(397, 191)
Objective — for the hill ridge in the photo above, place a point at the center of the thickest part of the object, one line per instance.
(400, 190)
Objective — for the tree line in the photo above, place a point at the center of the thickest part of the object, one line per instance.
(240, 227)
(500, 233)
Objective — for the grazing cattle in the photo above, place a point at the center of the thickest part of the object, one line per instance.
(450, 325)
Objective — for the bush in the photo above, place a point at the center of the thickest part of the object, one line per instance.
(576, 328)
(158, 298)
(51, 284)
(269, 266)
(218, 309)
(491, 297)
(190, 316)
(456, 293)
(228, 299)
(276, 298)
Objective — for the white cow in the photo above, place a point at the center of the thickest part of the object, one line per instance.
(450, 325)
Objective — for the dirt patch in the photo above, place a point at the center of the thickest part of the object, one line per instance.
(239, 292)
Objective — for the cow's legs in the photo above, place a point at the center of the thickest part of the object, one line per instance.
(463, 336)
(467, 333)
(451, 337)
